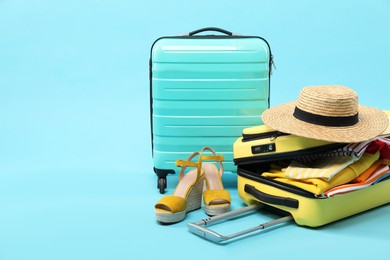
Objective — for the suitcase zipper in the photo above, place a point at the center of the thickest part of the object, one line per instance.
(287, 155)
(272, 64)
(271, 135)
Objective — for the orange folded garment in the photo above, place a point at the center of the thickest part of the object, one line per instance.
(379, 170)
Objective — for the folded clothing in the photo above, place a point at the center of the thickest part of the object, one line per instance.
(375, 173)
(327, 165)
(325, 169)
(380, 143)
(318, 186)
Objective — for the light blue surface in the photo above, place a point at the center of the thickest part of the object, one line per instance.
(76, 179)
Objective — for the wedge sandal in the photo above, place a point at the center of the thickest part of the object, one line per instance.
(216, 199)
(187, 195)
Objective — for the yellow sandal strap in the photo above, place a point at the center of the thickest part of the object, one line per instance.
(216, 195)
(185, 163)
(182, 163)
(218, 158)
(213, 157)
(171, 203)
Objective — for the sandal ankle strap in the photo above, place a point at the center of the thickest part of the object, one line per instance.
(182, 163)
(218, 158)
(215, 157)
(188, 163)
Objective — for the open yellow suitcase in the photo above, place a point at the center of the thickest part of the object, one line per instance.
(304, 207)
(292, 203)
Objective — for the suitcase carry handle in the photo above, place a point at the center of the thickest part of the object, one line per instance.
(271, 199)
(216, 29)
(199, 228)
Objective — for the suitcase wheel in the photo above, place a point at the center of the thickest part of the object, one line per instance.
(162, 185)
(162, 178)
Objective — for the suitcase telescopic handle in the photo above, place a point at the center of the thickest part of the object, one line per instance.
(271, 199)
(215, 29)
(201, 228)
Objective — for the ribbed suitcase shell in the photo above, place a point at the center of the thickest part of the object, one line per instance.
(204, 90)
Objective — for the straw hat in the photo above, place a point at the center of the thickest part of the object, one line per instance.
(329, 113)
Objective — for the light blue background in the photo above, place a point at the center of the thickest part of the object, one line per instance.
(76, 179)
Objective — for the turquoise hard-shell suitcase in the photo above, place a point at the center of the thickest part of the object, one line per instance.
(205, 89)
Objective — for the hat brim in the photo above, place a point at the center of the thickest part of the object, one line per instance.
(372, 122)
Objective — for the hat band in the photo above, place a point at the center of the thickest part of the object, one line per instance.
(325, 120)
